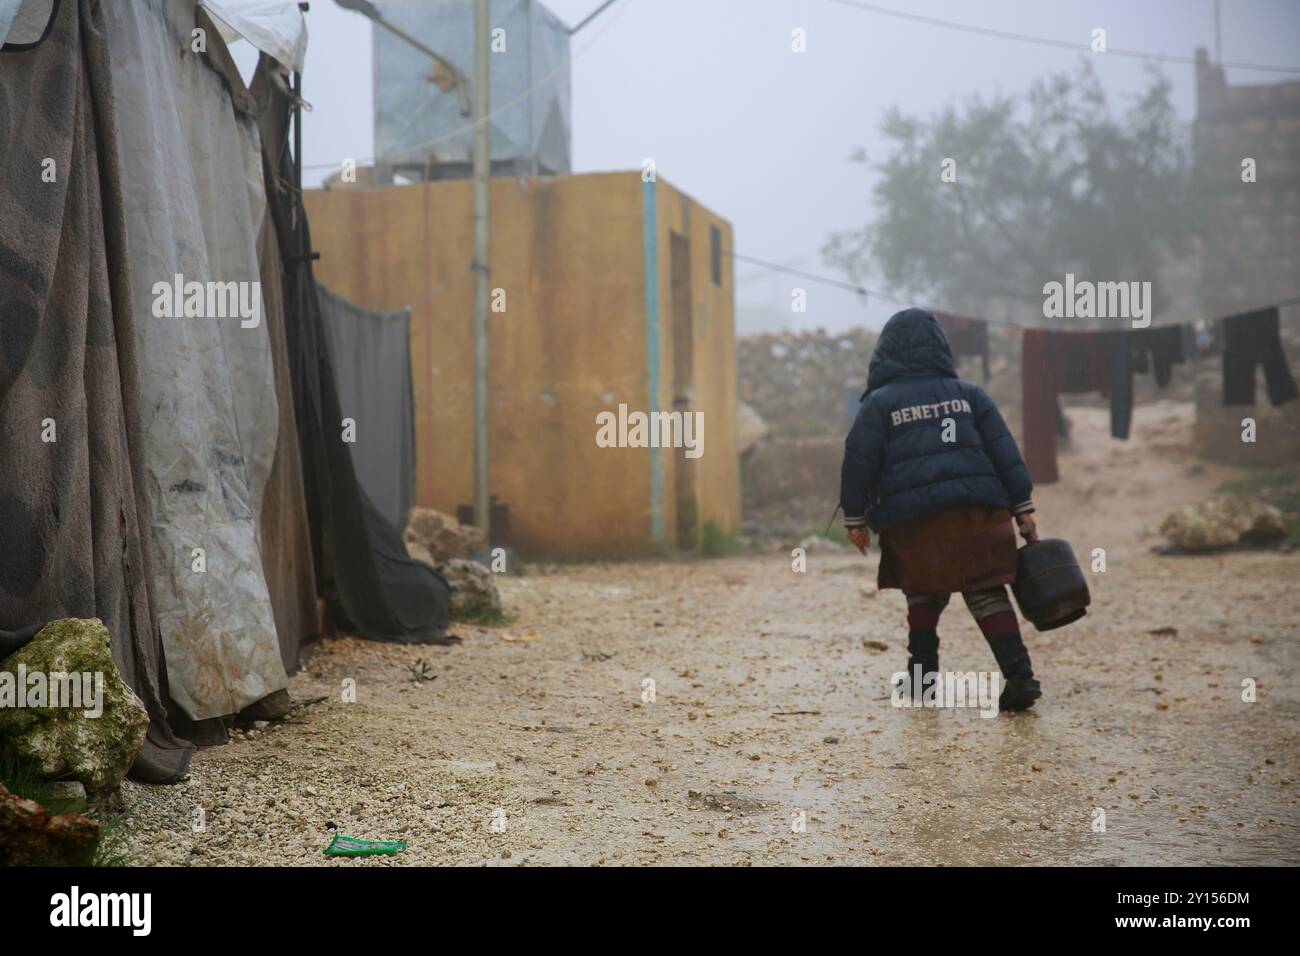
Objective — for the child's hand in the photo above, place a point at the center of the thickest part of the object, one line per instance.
(1028, 528)
(861, 538)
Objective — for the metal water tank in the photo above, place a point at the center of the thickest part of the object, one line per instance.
(420, 127)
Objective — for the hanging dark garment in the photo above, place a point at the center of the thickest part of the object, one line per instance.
(1039, 388)
(1096, 362)
(372, 368)
(75, 514)
(1120, 382)
(1066, 363)
(966, 336)
(1158, 350)
(1082, 360)
(360, 556)
(1252, 339)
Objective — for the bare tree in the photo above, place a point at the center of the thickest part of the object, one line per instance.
(1051, 183)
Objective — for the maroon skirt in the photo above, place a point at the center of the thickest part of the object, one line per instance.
(957, 549)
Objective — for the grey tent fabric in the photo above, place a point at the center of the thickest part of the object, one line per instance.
(370, 583)
(371, 352)
(74, 510)
(287, 556)
(285, 532)
(196, 203)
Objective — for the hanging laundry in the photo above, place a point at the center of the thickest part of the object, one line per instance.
(1061, 363)
(1252, 339)
(966, 336)
(1039, 387)
(1082, 360)
(1120, 374)
(1097, 362)
(1158, 349)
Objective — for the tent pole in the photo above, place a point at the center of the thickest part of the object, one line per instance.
(295, 84)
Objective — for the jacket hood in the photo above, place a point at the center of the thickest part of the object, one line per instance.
(911, 343)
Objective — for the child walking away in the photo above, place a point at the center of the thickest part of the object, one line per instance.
(931, 466)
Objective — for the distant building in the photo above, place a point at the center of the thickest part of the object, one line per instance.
(1249, 244)
(611, 291)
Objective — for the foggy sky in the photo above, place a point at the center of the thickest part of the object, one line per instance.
(762, 135)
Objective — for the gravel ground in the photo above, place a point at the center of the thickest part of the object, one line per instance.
(538, 743)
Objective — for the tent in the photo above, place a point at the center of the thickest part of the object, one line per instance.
(194, 205)
(381, 591)
(159, 320)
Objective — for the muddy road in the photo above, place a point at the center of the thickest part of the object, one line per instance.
(539, 743)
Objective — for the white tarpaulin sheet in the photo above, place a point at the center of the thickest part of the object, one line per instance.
(194, 197)
(23, 21)
(276, 27)
(8, 12)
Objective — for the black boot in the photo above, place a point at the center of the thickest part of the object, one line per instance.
(1019, 694)
(1011, 654)
(922, 650)
(1021, 689)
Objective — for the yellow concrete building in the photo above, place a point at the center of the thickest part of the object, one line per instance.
(608, 291)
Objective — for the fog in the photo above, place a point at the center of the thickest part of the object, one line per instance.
(712, 91)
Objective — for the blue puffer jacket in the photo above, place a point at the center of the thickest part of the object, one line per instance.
(897, 464)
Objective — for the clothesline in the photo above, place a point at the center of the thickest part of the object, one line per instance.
(1107, 361)
(1006, 323)
(1294, 300)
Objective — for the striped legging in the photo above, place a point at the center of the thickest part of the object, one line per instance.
(982, 603)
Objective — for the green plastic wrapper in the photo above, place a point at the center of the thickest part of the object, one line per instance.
(350, 846)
